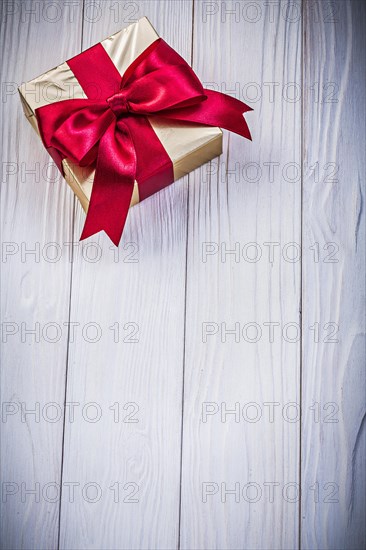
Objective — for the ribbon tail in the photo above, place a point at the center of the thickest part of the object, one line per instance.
(218, 110)
(227, 112)
(113, 184)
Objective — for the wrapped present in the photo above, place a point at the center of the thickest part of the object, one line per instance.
(124, 119)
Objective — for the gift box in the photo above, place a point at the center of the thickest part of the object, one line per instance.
(126, 121)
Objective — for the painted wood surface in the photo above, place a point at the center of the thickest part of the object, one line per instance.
(333, 442)
(243, 208)
(36, 210)
(135, 459)
(195, 403)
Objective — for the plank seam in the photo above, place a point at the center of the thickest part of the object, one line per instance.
(302, 154)
(69, 322)
(184, 329)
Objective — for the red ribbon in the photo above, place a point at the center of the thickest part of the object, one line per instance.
(111, 130)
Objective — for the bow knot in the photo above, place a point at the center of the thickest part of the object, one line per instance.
(119, 103)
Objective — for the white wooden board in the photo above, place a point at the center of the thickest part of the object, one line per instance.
(143, 295)
(240, 208)
(333, 441)
(36, 211)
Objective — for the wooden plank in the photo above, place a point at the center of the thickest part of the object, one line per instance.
(143, 289)
(236, 201)
(333, 438)
(36, 210)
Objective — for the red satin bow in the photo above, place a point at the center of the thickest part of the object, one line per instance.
(113, 131)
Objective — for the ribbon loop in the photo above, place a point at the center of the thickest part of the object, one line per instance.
(107, 133)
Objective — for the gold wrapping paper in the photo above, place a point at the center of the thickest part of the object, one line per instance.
(188, 145)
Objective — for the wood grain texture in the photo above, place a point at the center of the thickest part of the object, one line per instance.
(230, 209)
(333, 455)
(149, 293)
(36, 209)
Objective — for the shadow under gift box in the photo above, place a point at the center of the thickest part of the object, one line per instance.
(188, 145)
